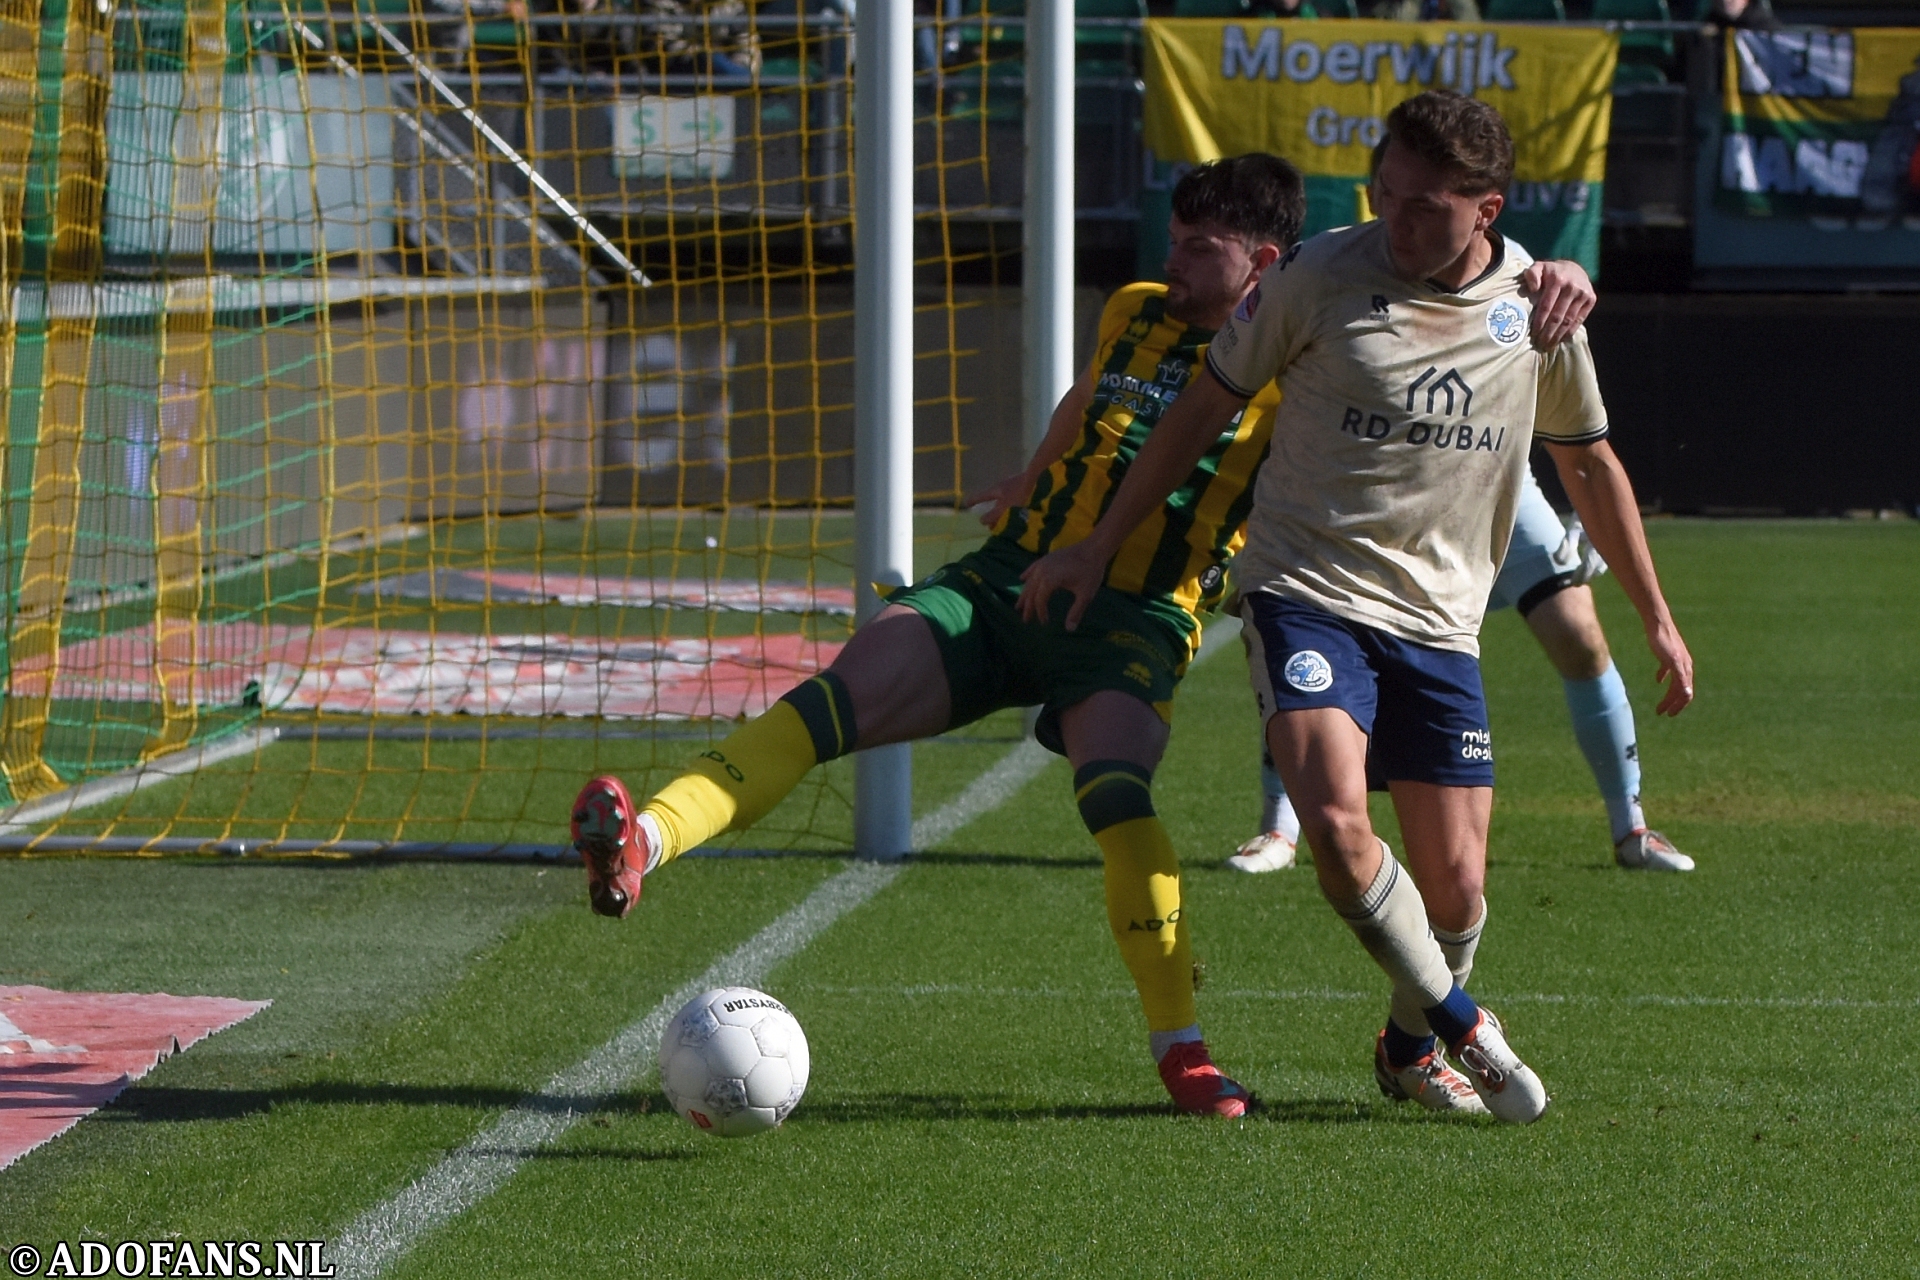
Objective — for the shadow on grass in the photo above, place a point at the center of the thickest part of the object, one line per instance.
(880, 1108)
(175, 1105)
(1004, 860)
(584, 1153)
(162, 1103)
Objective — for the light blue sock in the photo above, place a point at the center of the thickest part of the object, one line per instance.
(1603, 726)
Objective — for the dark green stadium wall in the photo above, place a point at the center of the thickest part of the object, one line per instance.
(1734, 404)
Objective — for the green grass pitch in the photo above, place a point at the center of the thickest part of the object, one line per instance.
(1730, 1052)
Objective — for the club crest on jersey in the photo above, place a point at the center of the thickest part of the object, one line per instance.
(1248, 305)
(1506, 323)
(1308, 672)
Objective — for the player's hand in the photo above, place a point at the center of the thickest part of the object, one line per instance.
(1078, 569)
(1563, 298)
(1011, 492)
(1675, 670)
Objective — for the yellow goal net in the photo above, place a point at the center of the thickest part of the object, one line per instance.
(413, 407)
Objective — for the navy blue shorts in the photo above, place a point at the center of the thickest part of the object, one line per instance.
(1421, 708)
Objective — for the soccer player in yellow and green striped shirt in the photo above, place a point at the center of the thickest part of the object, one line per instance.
(953, 647)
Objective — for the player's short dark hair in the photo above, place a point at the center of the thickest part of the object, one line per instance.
(1462, 135)
(1257, 195)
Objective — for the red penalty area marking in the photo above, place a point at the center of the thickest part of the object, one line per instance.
(373, 671)
(66, 1054)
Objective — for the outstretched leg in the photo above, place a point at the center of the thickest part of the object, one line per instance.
(888, 685)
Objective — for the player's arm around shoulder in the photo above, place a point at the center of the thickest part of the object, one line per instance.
(1563, 297)
(1262, 336)
(1183, 434)
(1571, 421)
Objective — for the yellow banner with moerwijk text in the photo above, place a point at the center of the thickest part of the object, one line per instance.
(1318, 93)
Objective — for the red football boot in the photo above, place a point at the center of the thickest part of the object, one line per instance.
(1197, 1085)
(612, 845)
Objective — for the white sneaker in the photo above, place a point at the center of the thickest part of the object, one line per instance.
(1430, 1082)
(1647, 850)
(1269, 851)
(1509, 1087)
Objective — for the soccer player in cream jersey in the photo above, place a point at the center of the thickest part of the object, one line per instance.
(1544, 579)
(1410, 400)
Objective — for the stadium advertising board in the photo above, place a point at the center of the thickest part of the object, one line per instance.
(1815, 164)
(1318, 93)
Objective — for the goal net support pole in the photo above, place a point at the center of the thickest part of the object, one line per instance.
(1046, 270)
(883, 379)
(1046, 265)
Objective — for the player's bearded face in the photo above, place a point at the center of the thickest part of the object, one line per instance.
(1208, 269)
(1429, 225)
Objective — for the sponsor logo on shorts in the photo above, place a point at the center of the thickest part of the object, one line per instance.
(1138, 673)
(1210, 578)
(1139, 644)
(1309, 672)
(1506, 323)
(1476, 744)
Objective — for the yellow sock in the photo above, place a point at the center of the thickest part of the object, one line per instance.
(740, 781)
(1143, 889)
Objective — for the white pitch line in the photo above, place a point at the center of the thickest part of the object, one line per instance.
(381, 1235)
(387, 1231)
(175, 764)
(460, 1181)
(985, 793)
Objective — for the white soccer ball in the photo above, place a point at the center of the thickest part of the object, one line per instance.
(734, 1062)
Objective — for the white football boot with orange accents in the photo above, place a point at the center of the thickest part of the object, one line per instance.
(1648, 850)
(1268, 851)
(1429, 1081)
(1509, 1087)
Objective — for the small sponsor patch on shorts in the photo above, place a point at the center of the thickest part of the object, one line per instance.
(1308, 671)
